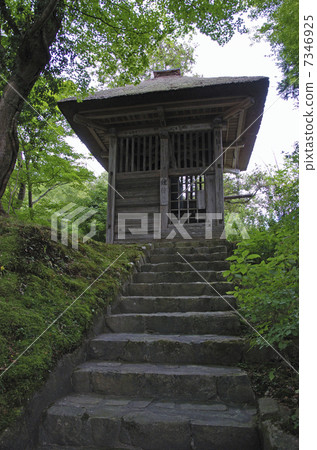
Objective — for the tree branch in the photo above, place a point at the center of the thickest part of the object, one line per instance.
(48, 190)
(47, 12)
(91, 16)
(117, 29)
(245, 198)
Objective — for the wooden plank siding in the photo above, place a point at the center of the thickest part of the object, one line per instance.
(145, 165)
(141, 194)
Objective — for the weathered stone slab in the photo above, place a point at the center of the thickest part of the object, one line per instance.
(273, 438)
(177, 277)
(268, 408)
(183, 266)
(174, 304)
(189, 250)
(189, 243)
(175, 289)
(215, 322)
(170, 349)
(80, 420)
(161, 258)
(205, 437)
(186, 382)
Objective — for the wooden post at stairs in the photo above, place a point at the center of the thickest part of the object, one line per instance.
(111, 189)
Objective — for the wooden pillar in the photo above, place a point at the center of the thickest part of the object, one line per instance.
(210, 192)
(218, 167)
(111, 189)
(164, 181)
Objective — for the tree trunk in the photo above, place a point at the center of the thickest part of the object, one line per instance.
(29, 181)
(32, 57)
(20, 196)
(9, 144)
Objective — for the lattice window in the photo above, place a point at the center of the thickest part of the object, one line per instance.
(188, 196)
(191, 149)
(138, 154)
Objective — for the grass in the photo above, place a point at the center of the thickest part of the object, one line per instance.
(39, 278)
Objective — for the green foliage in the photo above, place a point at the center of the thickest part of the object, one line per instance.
(254, 211)
(90, 194)
(40, 280)
(281, 29)
(112, 41)
(264, 268)
(45, 161)
(97, 199)
(171, 54)
(274, 195)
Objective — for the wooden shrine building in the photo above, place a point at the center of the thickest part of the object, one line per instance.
(166, 144)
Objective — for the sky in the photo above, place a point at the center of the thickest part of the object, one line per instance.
(243, 57)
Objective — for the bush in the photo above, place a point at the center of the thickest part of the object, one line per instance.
(266, 284)
(264, 268)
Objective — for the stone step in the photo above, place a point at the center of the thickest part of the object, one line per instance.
(169, 349)
(100, 422)
(183, 267)
(165, 258)
(71, 447)
(161, 381)
(174, 304)
(175, 289)
(80, 447)
(215, 322)
(189, 250)
(188, 243)
(177, 277)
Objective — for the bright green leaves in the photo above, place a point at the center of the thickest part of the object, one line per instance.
(265, 270)
(281, 29)
(275, 196)
(171, 54)
(46, 161)
(113, 39)
(218, 19)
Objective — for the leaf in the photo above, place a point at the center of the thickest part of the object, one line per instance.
(272, 375)
(253, 256)
(232, 258)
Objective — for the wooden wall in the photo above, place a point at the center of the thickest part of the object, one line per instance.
(141, 171)
(141, 194)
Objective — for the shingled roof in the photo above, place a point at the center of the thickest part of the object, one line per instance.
(166, 83)
(166, 92)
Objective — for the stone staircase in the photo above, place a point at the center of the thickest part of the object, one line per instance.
(163, 375)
